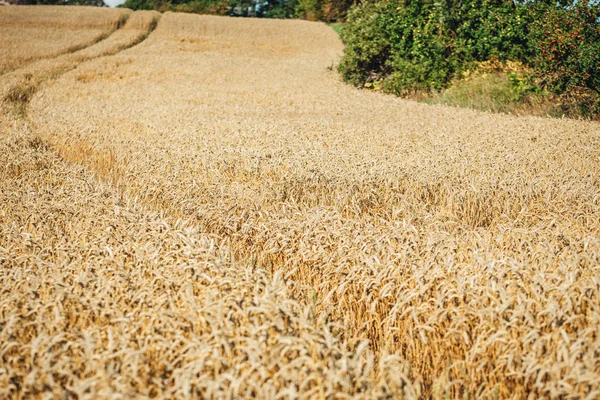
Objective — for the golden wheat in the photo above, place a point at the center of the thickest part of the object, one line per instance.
(244, 225)
(33, 32)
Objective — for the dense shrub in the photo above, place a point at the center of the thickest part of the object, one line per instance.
(421, 55)
(139, 4)
(569, 44)
(417, 44)
(280, 9)
(421, 45)
(368, 44)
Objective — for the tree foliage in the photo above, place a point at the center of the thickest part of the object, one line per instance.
(315, 10)
(422, 45)
(569, 48)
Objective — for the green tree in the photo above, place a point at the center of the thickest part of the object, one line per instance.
(410, 45)
(568, 40)
(138, 4)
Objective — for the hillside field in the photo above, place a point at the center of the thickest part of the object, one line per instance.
(197, 207)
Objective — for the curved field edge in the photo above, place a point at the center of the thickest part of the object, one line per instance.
(452, 239)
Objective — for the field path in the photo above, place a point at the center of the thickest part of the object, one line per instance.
(43, 32)
(462, 247)
(25, 81)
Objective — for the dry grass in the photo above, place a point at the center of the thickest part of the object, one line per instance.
(251, 222)
(33, 32)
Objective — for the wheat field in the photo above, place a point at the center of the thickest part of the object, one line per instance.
(197, 206)
(31, 33)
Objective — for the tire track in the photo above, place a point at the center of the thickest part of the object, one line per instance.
(18, 87)
(26, 18)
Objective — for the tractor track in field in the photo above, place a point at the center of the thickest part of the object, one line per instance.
(18, 87)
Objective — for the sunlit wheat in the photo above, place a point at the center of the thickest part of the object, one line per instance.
(212, 213)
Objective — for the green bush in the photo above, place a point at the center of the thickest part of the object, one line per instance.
(421, 56)
(421, 45)
(568, 61)
(367, 43)
(308, 9)
(138, 4)
(487, 29)
(280, 9)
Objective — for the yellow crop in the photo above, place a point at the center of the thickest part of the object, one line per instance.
(207, 211)
(32, 32)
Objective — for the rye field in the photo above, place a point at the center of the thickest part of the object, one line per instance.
(197, 207)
